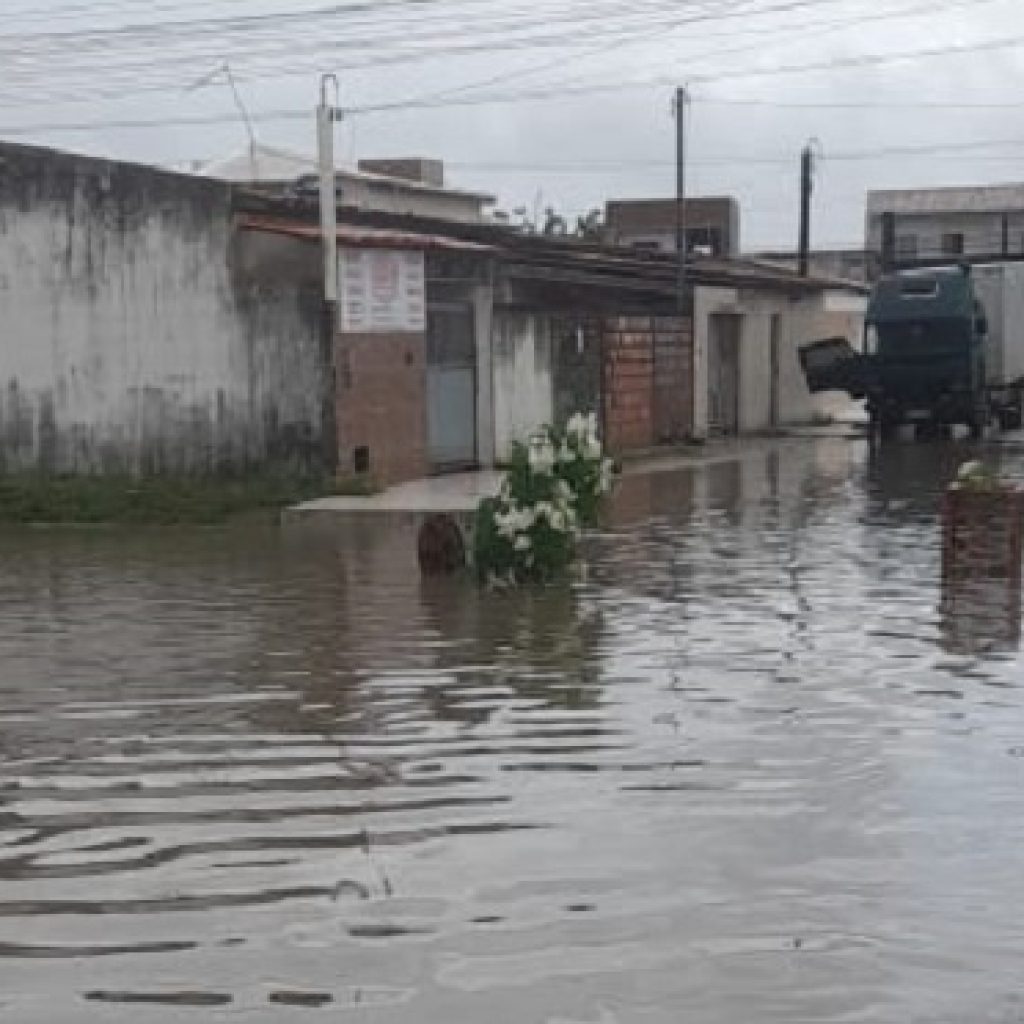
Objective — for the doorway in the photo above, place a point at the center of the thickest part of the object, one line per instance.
(451, 387)
(724, 333)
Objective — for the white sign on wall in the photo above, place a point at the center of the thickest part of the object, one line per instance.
(382, 291)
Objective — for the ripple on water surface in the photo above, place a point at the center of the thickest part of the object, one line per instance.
(756, 765)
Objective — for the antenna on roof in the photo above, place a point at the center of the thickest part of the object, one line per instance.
(224, 72)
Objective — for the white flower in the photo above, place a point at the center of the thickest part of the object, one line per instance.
(577, 425)
(592, 448)
(523, 542)
(563, 492)
(514, 521)
(566, 453)
(542, 455)
(590, 423)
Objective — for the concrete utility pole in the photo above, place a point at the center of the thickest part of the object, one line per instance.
(326, 115)
(679, 109)
(806, 190)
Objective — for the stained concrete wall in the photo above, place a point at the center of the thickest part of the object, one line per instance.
(523, 384)
(133, 338)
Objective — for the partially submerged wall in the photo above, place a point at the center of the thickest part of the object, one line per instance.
(133, 337)
(523, 385)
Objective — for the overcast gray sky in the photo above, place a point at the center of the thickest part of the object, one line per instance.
(549, 102)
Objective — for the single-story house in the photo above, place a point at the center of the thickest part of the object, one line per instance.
(161, 322)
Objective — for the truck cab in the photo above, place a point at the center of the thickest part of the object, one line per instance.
(925, 333)
(923, 359)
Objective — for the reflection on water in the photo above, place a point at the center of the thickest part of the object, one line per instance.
(754, 764)
(981, 615)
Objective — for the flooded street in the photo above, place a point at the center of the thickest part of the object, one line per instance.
(753, 766)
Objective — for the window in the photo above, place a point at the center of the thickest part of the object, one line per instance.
(953, 243)
(906, 247)
(705, 241)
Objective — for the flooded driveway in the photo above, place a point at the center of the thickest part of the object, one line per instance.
(755, 766)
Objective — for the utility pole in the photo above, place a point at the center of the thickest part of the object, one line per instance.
(326, 115)
(806, 191)
(679, 108)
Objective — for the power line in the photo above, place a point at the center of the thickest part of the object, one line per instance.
(32, 67)
(863, 60)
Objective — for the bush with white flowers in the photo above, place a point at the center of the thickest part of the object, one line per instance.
(554, 487)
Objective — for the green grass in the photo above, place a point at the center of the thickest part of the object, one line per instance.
(28, 498)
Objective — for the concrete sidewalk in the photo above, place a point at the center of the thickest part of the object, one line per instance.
(459, 493)
(456, 493)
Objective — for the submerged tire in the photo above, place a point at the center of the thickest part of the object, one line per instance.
(440, 546)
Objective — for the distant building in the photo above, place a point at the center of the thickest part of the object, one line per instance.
(414, 187)
(945, 223)
(712, 225)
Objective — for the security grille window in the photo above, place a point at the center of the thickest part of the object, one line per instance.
(953, 244)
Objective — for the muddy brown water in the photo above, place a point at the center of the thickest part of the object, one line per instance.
(753, 766)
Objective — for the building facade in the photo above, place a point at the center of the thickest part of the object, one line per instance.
(712, 225)
(154, 322)
(936, 224)
(414, 186)
(139, 333)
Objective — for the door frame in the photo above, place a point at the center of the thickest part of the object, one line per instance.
(468, 308)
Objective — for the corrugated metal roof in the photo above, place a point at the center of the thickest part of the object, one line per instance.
(974, 199)
(360, 237)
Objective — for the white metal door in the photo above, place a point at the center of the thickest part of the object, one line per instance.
(451, 386)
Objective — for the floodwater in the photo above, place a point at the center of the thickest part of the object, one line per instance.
(754, 765)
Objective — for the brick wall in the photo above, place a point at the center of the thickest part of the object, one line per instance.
(628, 383)
(647, 381)
(673, 379)
(382, 404)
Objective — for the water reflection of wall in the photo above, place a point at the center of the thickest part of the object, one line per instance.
(536, 644)
(373, 642)
(980, 616)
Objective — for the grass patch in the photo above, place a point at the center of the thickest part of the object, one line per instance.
(164, 501)
(357, 485)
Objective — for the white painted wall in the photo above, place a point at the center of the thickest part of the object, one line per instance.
(802, 321)
(127, 343)
(523, 379)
